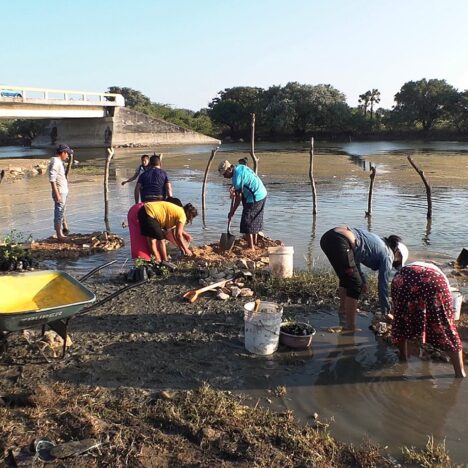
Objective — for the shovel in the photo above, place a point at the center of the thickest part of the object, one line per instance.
(193, 294)
(226, 243)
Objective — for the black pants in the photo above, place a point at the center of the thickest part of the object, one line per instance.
(340, 253)
(149, 226)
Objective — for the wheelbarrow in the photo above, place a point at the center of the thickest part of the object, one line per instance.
(46, 298)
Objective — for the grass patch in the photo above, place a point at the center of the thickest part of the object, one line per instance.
(202, 427)
(432, 456)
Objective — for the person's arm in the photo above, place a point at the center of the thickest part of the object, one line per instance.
(134, 176)
(236, 204)
(168, 187)
(137, 192)
(55, 192)
(384, 278)
(53, 172)
(179, 238)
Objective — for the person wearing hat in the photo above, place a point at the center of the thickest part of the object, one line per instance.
(249, 189)
(59, 184)
(423, 310)
(347, 249)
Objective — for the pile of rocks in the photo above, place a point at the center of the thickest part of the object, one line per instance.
(237, 276)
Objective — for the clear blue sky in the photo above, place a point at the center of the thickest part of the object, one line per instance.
(182, 52)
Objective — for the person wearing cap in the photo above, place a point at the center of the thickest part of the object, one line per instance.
(248, 188)
(347, 249)
(423, 310)
(59, 184)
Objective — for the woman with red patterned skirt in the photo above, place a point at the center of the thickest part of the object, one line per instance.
(423, 308)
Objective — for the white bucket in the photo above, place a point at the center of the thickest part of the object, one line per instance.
(281, 261)
(262, 328)
(457, 298)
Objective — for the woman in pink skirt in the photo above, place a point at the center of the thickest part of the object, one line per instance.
(423, 308)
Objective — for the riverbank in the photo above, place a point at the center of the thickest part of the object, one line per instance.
(160, 381)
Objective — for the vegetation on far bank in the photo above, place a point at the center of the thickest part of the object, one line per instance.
(426, 108)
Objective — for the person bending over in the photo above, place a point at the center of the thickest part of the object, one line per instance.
(157, 218)
(347, 249)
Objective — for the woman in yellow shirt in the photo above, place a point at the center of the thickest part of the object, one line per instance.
(157, 218)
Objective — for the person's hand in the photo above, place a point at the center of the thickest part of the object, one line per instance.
(232, 192)
(188, 237)
(58, 198)
(124, 182)
(188, 253)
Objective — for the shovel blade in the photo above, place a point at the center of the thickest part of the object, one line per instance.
(227, 241)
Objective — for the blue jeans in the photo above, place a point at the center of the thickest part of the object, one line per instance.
(59, 210)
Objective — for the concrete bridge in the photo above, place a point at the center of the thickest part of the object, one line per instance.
(40, 103)
(88, 119)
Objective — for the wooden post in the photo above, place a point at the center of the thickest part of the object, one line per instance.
(311, 177)
(252, 144)
(426, 184)
(427, 232)
(110, 155)
(373, 171)
(205, 178)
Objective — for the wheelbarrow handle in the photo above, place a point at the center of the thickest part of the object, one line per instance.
(95, 270)
(112, 296)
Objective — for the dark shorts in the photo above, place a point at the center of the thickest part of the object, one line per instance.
(340, 253)
(149, 226)
(252, 217)
(150, 198)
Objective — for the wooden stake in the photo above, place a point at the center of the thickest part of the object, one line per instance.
(252, 144)
(205, 178)
(311, 177)
(110, 155)
(371, 189)
(426, 184)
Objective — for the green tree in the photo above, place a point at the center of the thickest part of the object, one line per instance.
(233, 107)
(458, 112)
(374, 99)
(424, 102)
(364, 100)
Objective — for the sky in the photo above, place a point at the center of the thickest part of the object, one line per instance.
(183, 52)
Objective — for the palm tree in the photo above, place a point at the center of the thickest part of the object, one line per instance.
(373, 99)
(364, 100)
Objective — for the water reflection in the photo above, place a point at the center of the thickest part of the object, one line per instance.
(427, 233)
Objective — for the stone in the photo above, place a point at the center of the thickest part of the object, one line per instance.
(246, 292)
(203, 282)
(222, 296)
(250, 264)
(235, 291)
(462, 259)
(242, 264)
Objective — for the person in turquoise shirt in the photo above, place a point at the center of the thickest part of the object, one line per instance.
(249, 189)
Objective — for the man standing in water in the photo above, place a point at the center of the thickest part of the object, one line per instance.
(248, 188)
(153, 184)
(59, 184)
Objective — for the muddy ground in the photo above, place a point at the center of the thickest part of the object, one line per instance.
(125, 379)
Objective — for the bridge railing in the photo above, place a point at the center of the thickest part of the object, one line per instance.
(23, 94)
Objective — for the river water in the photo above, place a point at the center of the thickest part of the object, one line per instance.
(356, 381)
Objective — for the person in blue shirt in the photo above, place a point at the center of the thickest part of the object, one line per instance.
(153, 184)
(347, 249)
(249, 189)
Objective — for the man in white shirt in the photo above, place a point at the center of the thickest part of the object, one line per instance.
(59, 184)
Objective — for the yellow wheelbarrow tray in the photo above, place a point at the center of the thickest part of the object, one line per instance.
(46, 298)
(40, 297)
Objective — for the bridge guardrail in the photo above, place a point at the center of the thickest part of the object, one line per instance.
(59, 96)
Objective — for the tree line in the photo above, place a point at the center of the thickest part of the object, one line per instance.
(423, 108)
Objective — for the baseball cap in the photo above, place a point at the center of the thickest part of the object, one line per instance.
(224, 166)
(62, 148)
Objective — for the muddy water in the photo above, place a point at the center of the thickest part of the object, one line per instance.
(355, 381)
(342, 184)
